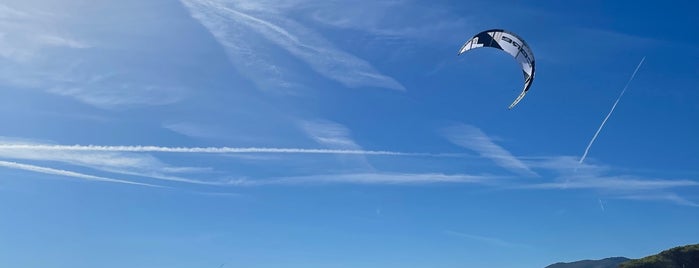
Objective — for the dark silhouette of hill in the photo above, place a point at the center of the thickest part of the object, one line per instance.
(603, 263)
(678, 257)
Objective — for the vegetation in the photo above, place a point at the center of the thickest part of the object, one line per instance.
(604, 263)
(679, 257)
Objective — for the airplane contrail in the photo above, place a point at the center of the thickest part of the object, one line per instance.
(610, 112)
(67, 173)
(209, 150)
(214, 150)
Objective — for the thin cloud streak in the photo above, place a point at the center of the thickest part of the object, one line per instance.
(132, 164)
(488, 240)
(126, 160)
(391, 20)
(662, 197)
(330, 134)
(46, 51)
(224, 23)
(587, 149)
(371, 179)
(67, 173)
(473, 138)
(335, 136)
(163, 177)
(206, 150)
(571, 175)
(613, 183)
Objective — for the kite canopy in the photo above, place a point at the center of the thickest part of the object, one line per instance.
(513, 45)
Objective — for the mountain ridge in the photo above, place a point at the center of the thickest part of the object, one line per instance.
(612, 262)
(686, 256)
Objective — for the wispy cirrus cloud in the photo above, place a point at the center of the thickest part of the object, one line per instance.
(562, 172)
(372, 179)
(330, 134)
(388, 19)
(46, 50)
(571, 174)
(61, 41)
(106, 94)
(93, 158)
(195, 130)
(615, 183)
(25, 33)
(235, 24)
(125, 163)
(670, 197)
(67, 173)
(473, 138)
(335, 136)
(565, 165)
(204, 150)
(134, 161)
(487, 240)
(129, 160)
(568, 174)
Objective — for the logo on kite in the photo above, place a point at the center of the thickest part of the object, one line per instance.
(513, 45)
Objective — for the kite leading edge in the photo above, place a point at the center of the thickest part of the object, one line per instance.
(513, 45)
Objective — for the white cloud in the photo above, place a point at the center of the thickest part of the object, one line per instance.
(474, 139)
(330, 134)
(562, 172)
(487, 240)
(62, 41)
(336, 136)
(207, 150)
(386, 19)
(7, 12)
(566, 165)
(130, 163)
(109, 95)
(25, 33)
(194, 130)
(94, 159)
(618, 184)
(671, 197)
(370, 178)
(60, 172)
(232, 25)
(389, 19)
(569, 174)
(46, 51)
(573, 175)
(131, 160)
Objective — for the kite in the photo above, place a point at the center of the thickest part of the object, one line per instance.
(513, 45)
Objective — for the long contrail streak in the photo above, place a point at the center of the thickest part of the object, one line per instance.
(206, 150)
(67, 173)
(610, 112)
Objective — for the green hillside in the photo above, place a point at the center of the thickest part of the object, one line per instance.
(604, 263)
(679, 257)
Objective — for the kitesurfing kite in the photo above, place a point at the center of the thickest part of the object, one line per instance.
(510, 43)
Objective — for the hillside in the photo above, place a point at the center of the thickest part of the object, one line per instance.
(604, 263)
(679, 257)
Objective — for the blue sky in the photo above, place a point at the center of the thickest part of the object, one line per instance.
(297, 133)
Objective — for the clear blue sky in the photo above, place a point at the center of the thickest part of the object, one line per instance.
(343, 134)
